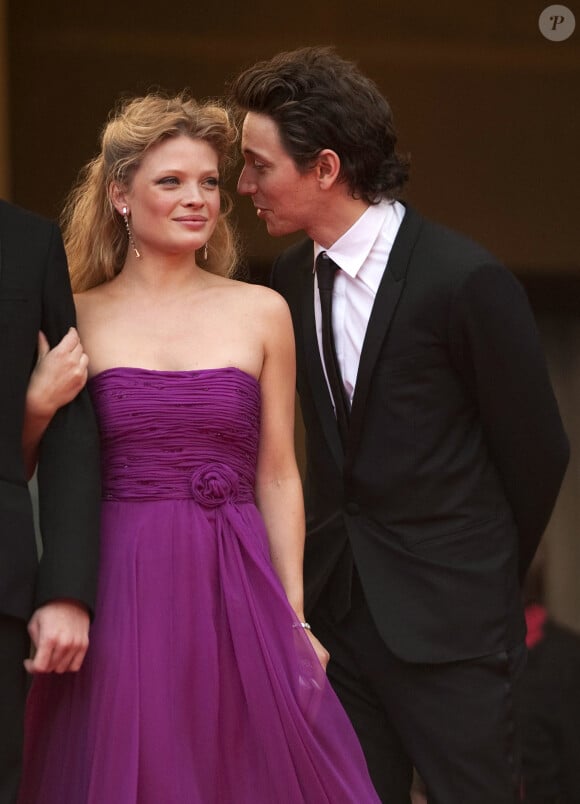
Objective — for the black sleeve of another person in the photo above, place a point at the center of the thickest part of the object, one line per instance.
(551, 719)
(68, 468)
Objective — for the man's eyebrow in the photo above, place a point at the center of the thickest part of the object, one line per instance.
(252, 152)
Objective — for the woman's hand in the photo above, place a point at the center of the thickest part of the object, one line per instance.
(321, 652)
(58, 376)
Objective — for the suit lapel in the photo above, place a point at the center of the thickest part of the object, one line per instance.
(316, 378)
(384, 307)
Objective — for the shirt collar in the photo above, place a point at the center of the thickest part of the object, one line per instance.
(350, 251)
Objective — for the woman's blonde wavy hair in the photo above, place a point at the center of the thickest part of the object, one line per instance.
(94, 233)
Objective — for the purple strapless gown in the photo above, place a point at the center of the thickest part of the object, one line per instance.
(198, 688)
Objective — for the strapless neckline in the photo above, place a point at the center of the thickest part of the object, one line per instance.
(170, 372)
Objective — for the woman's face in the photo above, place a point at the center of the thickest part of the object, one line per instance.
(174, 197)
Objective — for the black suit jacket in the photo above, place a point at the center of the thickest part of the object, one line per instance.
(455, 454)
(35, 294)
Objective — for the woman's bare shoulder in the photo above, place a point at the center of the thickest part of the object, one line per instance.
(260, 297)
(89, 301)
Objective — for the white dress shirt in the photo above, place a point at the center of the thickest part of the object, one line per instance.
(361, 254)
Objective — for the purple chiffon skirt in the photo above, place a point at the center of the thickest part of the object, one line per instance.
(199, 687)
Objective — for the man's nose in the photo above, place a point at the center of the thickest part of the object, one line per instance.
(245, 186)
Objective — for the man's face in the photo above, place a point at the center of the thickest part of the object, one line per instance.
(284, 198)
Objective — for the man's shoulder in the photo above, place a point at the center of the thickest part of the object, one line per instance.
(297, 254)
(12, 215)
(449, 244)
(439, 256)
(291, 268)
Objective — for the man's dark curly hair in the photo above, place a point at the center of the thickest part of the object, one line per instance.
(318, 100)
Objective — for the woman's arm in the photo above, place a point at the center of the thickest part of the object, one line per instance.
(60, 373)
(278, 485)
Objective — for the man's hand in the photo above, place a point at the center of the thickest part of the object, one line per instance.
(59, 631)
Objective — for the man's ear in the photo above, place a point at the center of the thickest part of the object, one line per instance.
(327, 168)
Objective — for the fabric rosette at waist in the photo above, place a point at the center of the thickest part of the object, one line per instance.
(209, 484)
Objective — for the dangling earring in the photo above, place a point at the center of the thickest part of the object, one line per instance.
(205, 252)
(129, 232)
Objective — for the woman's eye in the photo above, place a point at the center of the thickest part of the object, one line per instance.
(169, 180)
(211, 181)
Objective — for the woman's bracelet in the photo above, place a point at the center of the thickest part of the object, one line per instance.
(302, 624)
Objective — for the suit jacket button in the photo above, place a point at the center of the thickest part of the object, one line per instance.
(352, 508)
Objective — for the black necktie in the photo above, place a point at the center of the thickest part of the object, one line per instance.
(325, 271)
